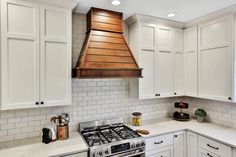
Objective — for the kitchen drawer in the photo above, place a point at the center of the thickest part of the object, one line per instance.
(215, 147)
(160, 152)
(159, 141)
(83, 154)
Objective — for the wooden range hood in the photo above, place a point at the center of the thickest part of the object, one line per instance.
(105, 53)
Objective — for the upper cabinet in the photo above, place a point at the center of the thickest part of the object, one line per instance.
(35, 67)
(159, 50)
(215, 59)
(191, 61)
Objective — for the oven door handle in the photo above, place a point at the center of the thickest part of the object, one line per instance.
(129, 154)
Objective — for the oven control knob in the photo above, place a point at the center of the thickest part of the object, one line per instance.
(100, 153)
(137, 145)
(132, 146)
(106, 152)
(142, 143)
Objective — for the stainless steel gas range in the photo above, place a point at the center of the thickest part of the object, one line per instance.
(111, 138)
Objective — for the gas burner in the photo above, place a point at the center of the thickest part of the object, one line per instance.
(125, 132)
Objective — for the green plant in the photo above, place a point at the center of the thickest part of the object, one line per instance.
(200, 113)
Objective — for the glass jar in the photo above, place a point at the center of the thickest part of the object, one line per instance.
(137, 119)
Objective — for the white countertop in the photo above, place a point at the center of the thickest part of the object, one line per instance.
(219, 133)
(74, 144)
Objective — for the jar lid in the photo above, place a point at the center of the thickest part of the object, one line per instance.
(136, 113)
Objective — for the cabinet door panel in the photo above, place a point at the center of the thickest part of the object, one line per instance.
(179, 63)
(147, 83)
(164, 38)
(191, 62)
(164, 63)
(20, 54)
(180, 144)
(55, 56)
(160, 152)
(165, 73)
(192, 144)
(148, 36)
(215, 60)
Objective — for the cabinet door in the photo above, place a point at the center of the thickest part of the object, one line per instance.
(161, 152)
(192, 144)
(234, 152)
(180, 144)
(55, 56)
(215, 59)
(147, 61)
(178, 63)
(191, 71)
(164, 63)
(19, 54)
(204, 153)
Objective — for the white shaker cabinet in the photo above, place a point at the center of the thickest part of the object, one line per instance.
(159, 51)
(191, 61)
(180, 144)
(178, 76)
(192, 144)
(19, 54)
(215, 59)
(164, 61)
(55, 67)
(35, 67)
(147, 61)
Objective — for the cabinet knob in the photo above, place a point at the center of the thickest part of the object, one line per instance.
(229, 98)
(158, 94)
(37, 103)
(175, 93)
(176, 136)
(42, 102)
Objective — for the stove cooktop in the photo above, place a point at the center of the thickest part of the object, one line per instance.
(95, 136)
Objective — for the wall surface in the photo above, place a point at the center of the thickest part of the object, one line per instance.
(222, 113)
(92, 99)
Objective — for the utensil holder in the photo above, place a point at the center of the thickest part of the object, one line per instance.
(63, 132)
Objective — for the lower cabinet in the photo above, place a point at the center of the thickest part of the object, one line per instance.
(192, 144)
(180, 144)
(159, 146)
(161, 152)
(205, 153)
(186, 144)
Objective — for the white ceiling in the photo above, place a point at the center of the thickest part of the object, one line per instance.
(186, 10)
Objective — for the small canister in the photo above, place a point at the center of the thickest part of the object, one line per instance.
(137, 119)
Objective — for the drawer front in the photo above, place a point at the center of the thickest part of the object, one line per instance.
(159, 141)
(204, 153)
(160, 152)
(83, 154)
(215, 147)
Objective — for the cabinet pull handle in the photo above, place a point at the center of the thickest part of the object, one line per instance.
(209, 155)
(37, 103)
(158, 94)
(229, 98)
(42, 102)
(212, 147)
(158, 142)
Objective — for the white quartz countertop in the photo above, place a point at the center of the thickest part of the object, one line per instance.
(219, 133)
(72, 145)
(76, 144)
